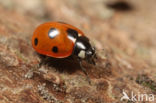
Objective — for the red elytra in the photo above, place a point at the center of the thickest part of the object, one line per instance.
(52, 39)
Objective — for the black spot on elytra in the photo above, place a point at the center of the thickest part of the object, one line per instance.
(35, 41)
(55, 49)
(72, 33)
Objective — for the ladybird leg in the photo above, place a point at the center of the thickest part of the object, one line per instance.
(85, 72)
(92, 61)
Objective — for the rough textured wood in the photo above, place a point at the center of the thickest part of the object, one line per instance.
(127, 61)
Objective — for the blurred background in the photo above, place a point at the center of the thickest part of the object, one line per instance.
(125, 29)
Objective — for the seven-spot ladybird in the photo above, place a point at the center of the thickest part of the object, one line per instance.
(61, 40)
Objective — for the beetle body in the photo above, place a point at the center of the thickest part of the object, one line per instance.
(60, 40)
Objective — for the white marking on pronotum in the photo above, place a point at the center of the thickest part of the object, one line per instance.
(82, 54)
(72, 38)
(53, 32)
(79, 44)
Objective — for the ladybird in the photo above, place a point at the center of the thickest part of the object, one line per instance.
(61, 40)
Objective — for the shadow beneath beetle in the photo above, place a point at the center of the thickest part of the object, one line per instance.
(69, 64)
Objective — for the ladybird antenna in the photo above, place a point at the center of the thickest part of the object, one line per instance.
(85, 72)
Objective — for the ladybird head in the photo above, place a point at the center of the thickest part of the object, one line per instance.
(84, 50)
